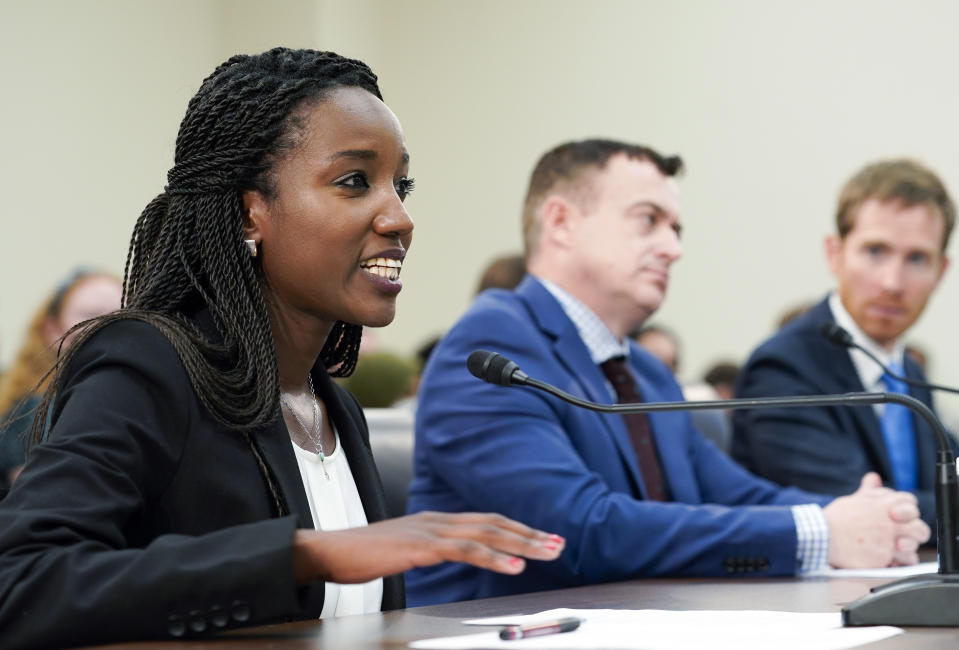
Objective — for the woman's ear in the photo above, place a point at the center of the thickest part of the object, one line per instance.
(255, 210)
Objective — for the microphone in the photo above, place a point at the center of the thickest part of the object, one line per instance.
(924, 600)
(841, 337)
(495, 369)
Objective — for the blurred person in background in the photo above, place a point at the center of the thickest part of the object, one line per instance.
(661, 343)
(722, 377)
(84, 294)
(503, 272)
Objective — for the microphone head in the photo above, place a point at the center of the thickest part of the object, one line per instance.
(836, 334)
(491, 367)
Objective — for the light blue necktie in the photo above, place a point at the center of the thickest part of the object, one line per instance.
(898, 433)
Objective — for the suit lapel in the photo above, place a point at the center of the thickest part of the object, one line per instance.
(848, 381)
(275, 446)
(277, 450)
(582, 374)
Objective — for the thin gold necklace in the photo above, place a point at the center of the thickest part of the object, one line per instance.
(315, 435)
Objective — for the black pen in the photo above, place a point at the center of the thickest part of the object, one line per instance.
(567, 624)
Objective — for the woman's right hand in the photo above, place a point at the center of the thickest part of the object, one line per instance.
(353, 555)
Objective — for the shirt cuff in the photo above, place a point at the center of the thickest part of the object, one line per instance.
(812, 535)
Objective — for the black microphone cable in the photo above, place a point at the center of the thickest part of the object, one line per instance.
(841, 337)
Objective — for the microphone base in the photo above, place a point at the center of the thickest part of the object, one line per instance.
(930, 600)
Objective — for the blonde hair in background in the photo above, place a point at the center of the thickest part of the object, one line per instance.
(29, 372)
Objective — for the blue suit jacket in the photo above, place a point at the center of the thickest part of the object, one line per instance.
(826, 449)
(572, 471)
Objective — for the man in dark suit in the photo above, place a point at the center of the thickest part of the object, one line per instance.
(632, 495)
(888, 255)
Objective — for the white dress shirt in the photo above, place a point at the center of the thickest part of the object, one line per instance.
(335, 504)
(870, 374)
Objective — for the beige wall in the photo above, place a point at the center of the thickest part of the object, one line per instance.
(772, 104)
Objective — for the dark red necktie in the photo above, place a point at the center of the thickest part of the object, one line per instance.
(618, 374)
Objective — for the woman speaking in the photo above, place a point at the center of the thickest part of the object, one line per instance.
(201, 470)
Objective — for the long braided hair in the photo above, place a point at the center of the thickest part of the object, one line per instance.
(187, 247)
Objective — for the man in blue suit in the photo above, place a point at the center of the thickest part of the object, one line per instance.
(633, 497)
(888, 255)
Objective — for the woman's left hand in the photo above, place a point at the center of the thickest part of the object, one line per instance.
(489, 541)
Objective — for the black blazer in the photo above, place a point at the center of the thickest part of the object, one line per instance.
(822, 449)
(144, 518)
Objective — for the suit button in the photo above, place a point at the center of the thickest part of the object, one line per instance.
(175, 625)
(240, 611)
(218, 616)
(763, 563)
(728, 565)
(196, 622)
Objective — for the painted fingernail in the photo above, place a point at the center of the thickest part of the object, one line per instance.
(557, 538)
(516, 562)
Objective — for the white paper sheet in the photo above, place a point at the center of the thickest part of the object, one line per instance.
(892, 572)
(649, 629)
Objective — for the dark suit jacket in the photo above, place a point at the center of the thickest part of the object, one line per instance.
(571, 471)
(825, 449)
(144, 518)
(14, 429)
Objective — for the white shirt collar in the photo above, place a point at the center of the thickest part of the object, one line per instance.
(869, 372)
(599, 340)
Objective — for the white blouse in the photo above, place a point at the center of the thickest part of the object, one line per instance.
(335, 504)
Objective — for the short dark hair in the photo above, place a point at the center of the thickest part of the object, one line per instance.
(563, 169)
(722, 372)
(645, 331)
(504, 272)
(906, 181)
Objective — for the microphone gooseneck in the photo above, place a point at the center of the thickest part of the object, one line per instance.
(494, 368)
(919, 600)
(841, 337)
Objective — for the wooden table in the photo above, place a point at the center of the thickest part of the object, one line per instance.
(395, 629)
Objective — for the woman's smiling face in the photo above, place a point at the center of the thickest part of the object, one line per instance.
(333, 233)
